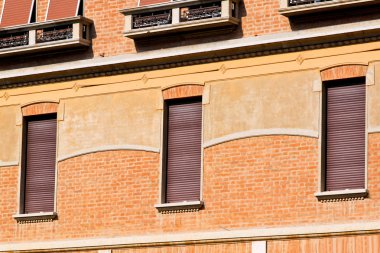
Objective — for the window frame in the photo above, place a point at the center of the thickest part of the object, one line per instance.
(323, 194)
(186, 206)
(21, 216)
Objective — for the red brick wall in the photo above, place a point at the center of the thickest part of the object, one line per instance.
(255, 182)
(41, 10)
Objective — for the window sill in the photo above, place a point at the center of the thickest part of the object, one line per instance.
(323, 6)
(180, 207)
(35, 217)
(328, 196)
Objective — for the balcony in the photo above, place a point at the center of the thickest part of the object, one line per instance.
(179, 16)
(46, 36)
(300, 7)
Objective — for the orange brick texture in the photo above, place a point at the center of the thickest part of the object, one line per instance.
(42, 6)
(40, 108)
(341, 72)
(344, 244)
(266, 181)
(183, 91)
(244, 247)
(341, 244)
(259, 17)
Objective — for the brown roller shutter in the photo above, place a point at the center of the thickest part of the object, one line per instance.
(148, 2)
(183, 173)
(40, 160)
(62, 9)
(345, 134)
(16, 12)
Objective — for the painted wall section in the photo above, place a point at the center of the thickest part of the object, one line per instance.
(9, 137)
(282, 100)
(373, 93)
(129, 118)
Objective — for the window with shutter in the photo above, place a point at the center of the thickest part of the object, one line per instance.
(344, 134)
(39, 163)
(183, 150)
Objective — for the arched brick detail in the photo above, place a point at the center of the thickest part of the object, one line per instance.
(342, 72)
(39, 108)
(183, 91)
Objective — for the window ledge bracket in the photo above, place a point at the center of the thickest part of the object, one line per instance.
(35, 217)
(180, 207)
(344, 195)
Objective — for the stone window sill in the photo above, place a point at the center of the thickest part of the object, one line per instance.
(181, 207)
(328, 196)
(35, 217)
(323, 6)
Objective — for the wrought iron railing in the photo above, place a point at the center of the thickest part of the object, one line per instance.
(303, 2)
(201, 12)
(14, 40)
(54, 34)
(154, 19)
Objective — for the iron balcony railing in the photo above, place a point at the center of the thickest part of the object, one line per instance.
(44, 33)
(212, 9)
(201, 12)
(14, 40)
(54, 34)
(304, 2)
(152, 19)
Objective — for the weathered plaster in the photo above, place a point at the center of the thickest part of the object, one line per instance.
(285, 101)
(9, 137)
(110, 120)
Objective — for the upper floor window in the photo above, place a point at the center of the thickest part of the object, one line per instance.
(183, 150)
(39, 163)
(345, 134)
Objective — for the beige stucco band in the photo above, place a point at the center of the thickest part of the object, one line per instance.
(109, 148)
(219, 236)
(261, 132)
(8, 164)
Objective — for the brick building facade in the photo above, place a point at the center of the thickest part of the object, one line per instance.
(273, 106)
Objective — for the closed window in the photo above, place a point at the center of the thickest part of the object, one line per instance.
(344, 135)
(182, 163)
(39, 163)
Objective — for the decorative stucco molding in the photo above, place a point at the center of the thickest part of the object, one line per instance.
(261, 132)
(324, 37)
(219, 236)
(109, 148)
(8, 164)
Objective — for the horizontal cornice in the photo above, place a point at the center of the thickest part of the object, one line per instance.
(220, 236)
(294, 41)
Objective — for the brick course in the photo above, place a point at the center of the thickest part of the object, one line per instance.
(40, 108)
(264, 181)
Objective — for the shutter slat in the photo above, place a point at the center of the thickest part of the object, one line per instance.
(184, 151)
(40, 165)
(345, 133)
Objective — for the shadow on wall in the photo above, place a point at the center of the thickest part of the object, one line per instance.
(335, 17)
